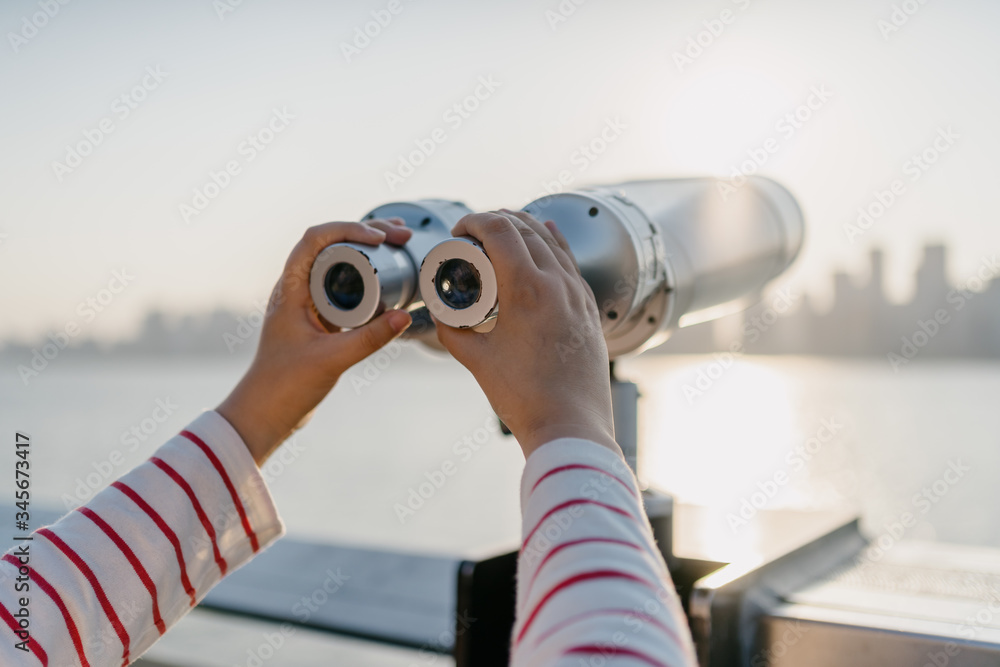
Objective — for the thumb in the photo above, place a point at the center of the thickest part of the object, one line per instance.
(356, 344)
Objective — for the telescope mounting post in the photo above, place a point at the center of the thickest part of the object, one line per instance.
(659, 505)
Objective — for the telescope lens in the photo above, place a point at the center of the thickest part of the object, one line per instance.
(344, 286)
(458, 284)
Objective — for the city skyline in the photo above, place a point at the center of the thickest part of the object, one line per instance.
(941, 320)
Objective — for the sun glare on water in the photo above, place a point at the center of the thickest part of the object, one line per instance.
(710, 431)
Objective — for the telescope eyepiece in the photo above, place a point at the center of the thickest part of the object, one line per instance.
(458, 283)
(344, 286)
(351, 283)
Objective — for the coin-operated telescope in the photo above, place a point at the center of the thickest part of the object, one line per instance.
(658, 255)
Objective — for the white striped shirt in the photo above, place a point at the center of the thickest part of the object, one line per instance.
(592, 586)
(111, 577)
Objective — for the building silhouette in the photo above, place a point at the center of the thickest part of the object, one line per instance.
(941, 320)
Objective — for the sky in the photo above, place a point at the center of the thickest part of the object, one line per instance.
(164, 95)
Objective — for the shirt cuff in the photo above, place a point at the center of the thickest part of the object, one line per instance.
(573, 451)
(220, 436)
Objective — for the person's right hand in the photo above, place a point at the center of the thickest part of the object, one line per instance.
(544, 366)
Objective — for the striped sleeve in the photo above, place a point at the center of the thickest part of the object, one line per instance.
(109, 578)
(592, 586)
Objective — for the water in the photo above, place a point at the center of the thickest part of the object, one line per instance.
(376, 444)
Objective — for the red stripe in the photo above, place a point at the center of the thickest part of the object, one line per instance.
(613, 651)
(33, 644)
(205, 523)
(74, 634)
(109, 611)
(581, 466)
(572, 581)
(624, 613)
(572, 543)
(167, 532)
(229, 485)
(570, 503)
(133, 561)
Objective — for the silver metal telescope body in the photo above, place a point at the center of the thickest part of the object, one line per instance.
(658, 255)
(351, 283)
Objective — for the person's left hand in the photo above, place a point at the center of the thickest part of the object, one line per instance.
(298, 360)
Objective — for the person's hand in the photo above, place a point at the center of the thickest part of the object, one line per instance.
(298, 360)
(544, 366)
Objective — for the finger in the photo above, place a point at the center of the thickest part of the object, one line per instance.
(462, 344)
(395, 220)
(540, 251)
(395, 233)
(295, 279)
(546, 235)
(350, 347)
(502, 242)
